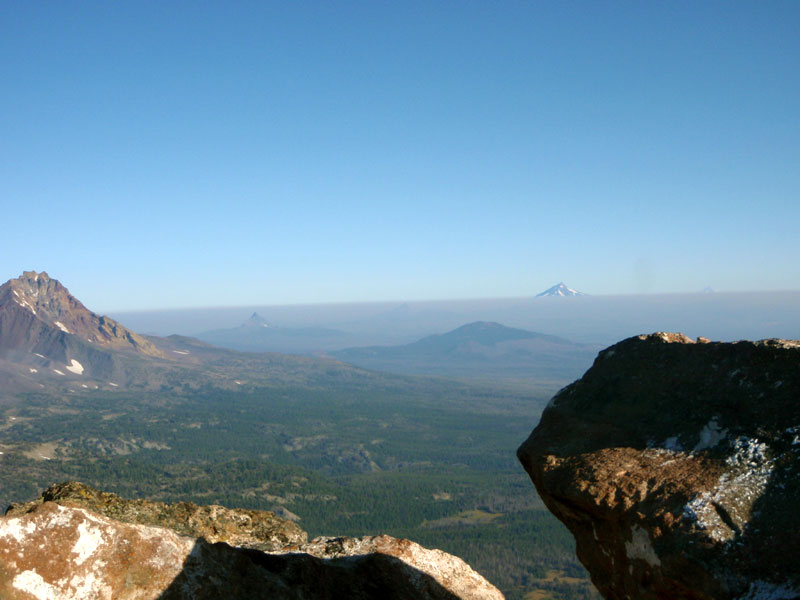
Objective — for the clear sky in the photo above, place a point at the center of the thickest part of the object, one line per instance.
(171, 154)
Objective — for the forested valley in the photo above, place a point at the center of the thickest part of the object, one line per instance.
(429, 459)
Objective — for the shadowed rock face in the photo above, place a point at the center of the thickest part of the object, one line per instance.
(56, 549)
(676, 466)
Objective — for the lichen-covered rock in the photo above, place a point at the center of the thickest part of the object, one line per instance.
(51, 551)
(676, 466)
(258, 529)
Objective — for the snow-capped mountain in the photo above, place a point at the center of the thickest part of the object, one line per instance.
(560, 290)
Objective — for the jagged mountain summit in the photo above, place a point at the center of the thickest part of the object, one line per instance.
(47, 334)
(50, 342)
(37, 313)
(561, 290)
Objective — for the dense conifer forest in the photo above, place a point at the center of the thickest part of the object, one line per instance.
(428, 459)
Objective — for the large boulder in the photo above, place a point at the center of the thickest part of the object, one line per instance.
(54, 549)
(676, 466)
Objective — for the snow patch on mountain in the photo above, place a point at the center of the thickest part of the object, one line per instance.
(75, 367)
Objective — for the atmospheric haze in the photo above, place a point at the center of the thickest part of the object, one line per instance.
(586, 319)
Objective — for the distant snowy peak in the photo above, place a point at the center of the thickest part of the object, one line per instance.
(560, 290)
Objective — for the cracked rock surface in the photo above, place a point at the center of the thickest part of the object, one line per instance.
(676, 466)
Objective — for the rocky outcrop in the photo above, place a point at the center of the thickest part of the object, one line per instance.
(54, 548)
(676, 466)
(258, 529)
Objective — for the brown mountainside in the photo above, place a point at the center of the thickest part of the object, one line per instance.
(50, 342)
(37, 311)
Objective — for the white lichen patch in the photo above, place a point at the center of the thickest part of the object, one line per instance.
(33, 583)
(724, 512)
(702, 512)
(75, 367)
(89, 586)
(711, 435)
(60, 518)
(640, 547)
(89, 538)
(15, 529)
(57, 371)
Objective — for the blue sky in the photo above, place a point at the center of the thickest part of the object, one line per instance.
(157, 155)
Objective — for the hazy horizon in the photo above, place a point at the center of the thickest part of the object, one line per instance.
(721, 316)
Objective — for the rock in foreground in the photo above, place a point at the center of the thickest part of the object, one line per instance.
(57, 551)
(676, 466)
(257, 529)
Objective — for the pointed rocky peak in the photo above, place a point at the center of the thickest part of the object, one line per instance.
(35, 306)
(44, 297)
(256, 320)
(561, 290)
